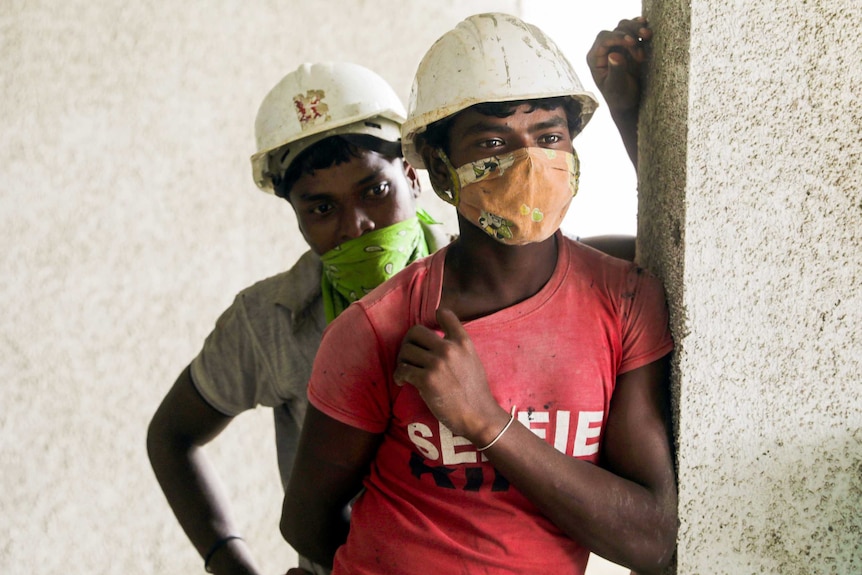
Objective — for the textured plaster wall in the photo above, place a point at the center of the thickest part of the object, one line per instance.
(757, 210)
(128, 220)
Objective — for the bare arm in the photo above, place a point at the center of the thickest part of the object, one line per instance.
(625, 511)
(616, 60)
(331, 460)
(183, 423)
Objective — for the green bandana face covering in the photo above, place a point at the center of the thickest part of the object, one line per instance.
(358, 266)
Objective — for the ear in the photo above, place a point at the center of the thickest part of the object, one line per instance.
(438, 172)
(412, 178)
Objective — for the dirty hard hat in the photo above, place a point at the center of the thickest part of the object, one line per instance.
(317, 101)
(488, 58)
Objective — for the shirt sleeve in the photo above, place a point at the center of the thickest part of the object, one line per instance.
(232, 372)
(349, 381)
(646, 334)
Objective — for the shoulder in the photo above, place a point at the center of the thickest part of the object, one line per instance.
(405, 287)
(287, 304)
(621, 277)
(294, 289)
(594, 258)
(619, 246)
(261, 349)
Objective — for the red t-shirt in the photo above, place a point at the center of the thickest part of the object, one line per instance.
(432, 503)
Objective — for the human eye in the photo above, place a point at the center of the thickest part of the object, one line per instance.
(491, 143)
(321, 208)
(379, 190)
(550, 139)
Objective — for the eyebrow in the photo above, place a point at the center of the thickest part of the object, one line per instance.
(315, 196)
(482, 126)
(375, 175)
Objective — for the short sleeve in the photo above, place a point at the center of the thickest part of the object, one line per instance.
(349, 381)
(645, 331)
(231, 372)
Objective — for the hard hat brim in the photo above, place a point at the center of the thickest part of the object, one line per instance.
(381, 127)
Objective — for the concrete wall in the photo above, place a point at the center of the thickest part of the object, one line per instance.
(128, 220)
(751, 208)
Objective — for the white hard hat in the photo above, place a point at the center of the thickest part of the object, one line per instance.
(488, 58)
(317, 101)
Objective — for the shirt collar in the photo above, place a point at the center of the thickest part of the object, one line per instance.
(301, 292)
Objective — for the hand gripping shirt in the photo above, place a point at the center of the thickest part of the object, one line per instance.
(432, 503)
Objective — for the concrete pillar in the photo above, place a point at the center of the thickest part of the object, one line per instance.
(751, 210)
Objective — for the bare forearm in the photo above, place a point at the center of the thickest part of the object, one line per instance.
(196, 495)
(613, 517)
(627, 124)
(314, 532)
(331, 461)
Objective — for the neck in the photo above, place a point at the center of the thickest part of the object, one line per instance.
(483, 276)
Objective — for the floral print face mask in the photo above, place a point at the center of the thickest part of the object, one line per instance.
(517, 198)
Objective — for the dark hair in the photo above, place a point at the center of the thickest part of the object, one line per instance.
(437, 133)
(330, 152)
